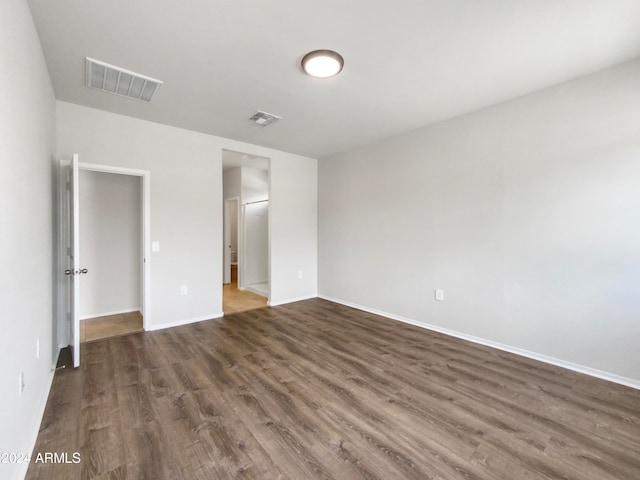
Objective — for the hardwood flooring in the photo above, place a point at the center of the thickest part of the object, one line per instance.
(235, 300)
(315, 390)
(99, 328)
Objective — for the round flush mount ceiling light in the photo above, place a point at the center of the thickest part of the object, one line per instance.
(322, 63)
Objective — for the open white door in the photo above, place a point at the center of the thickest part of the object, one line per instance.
(71, 229)
(75, 249)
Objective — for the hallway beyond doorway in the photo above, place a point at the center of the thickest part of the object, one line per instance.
(235, 300)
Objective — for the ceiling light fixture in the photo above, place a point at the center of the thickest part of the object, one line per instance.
(322, 63)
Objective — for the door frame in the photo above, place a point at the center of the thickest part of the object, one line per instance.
(241, 203)
(228, 204)
(146, 228)
(63, 320)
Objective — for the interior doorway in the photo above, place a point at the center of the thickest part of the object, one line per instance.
(110, 241)
(73, 274)
(246, 275)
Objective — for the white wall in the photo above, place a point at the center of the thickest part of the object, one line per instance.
(232, 187)
(255, 188)
(27, 148)
(186, 206)
(233, 230)
(293, 213)
(110, 243)
(255, 185)
(232, 183)
(526, 214)
(256, 259)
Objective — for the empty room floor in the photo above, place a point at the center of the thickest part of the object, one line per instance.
(316, 390)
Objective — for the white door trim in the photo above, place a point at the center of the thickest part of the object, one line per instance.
(226, 253)
(146, 229)
(76, 266)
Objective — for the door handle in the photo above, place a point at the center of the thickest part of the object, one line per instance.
(76, 272)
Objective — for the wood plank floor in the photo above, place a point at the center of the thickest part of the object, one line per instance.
(315, 390)
(235, 300)
(99, 328)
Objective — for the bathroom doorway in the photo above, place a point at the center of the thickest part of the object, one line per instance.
(245, 276)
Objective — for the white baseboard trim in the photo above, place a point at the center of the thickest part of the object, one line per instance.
(185, 322)
(257, 291)
(39, 415)
(106, 314)
(611, 377)
(291, 300)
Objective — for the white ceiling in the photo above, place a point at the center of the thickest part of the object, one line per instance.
(408, 63)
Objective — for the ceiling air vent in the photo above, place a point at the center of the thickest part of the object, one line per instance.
(264, 118)
(108, 78)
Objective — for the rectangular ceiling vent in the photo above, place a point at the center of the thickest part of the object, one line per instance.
(264, 118)
(108, 78)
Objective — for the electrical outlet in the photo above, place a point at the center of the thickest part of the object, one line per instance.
(439, 295)
(184, 290)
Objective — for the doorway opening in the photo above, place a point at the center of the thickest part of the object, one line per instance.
(103, 250)
(246, 277)
(110, 240)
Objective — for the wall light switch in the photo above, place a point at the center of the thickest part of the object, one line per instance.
(184, 290)
(300, 274)
(439, 295)
(155, 246)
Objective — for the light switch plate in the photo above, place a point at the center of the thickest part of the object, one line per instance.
(155, 246)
